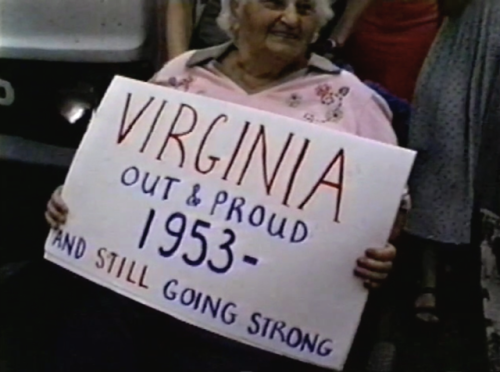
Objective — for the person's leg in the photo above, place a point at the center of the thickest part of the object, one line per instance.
(103, 334)
(425, 304)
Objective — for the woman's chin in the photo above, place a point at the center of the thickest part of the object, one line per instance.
(285, 50)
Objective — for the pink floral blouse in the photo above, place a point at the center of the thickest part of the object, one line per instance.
(321, 94)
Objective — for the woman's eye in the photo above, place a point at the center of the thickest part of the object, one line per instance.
(275, 4)
(304, 8)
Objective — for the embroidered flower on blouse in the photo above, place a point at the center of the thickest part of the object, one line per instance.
(334, 100)
(328, 98)
(309, 117)
(172, 82)
(334, 115)
(344, 91)
(294, 100)
(183, 83)
(323, 89)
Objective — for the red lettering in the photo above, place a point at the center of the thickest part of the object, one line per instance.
(125, 132)
(120, 269)
(100, 255)
(339, 185)
(295, 170)
(236, 150)
(213, 159)
(113, 256)
(130, 272)
(177, 136)
(261, 138)
(153, 125)
(143, 277)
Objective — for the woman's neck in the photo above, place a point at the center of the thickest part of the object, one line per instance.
(255, 71)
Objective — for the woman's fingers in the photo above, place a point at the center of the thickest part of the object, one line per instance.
(51, 221)
(387, 254)
(371, 284)
(55, 213)
(370, 275)
(374, 265)
(56, 210)
(58, 201)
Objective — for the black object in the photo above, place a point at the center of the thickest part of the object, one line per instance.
(207, 32)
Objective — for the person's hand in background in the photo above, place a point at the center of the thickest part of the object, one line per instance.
(353, 12)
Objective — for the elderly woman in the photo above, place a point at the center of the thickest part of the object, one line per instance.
(267, 65)
(192, 24)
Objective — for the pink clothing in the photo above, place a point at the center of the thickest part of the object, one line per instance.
(322, 94)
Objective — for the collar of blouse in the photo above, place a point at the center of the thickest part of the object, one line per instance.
(204, 56)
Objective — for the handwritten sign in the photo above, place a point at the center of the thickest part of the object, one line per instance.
(242, 222)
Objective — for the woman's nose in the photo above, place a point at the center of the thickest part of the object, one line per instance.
(290, 16)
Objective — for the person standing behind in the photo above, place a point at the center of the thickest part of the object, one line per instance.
(455, 182)
(178, 26)
(390, 42)
(192, 24)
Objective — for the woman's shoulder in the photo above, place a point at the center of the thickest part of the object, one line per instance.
(372, 114)
(360, 93)
(359, 90)
(174, 67)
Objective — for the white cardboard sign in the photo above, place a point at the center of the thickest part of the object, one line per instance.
(242, 222)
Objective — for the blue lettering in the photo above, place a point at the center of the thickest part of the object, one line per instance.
(308, 343)
(220, 199)
(170, 181)
(58, 239)
(81, 247)
(294, 333)
(151, 188)
(227, 316)
(188, 297)
(237, 210)
(170, 295)
(130, 176)
(325, 347)
(68, 243)
(293, 337)
(260, 211)
(299, 232)
(278, 328)
(236, 205)
(203, 303)
(213, 306)
(267, 323)
(281, 228)
(253, 329)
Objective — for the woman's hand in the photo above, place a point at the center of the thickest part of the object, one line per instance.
(57, 211)
(375, 265)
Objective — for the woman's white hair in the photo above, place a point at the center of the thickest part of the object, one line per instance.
(227, 20)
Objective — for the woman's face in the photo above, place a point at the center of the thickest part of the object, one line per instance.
(282, 27)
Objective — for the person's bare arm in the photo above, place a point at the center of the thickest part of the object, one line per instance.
(179, 26)
(353, 12)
